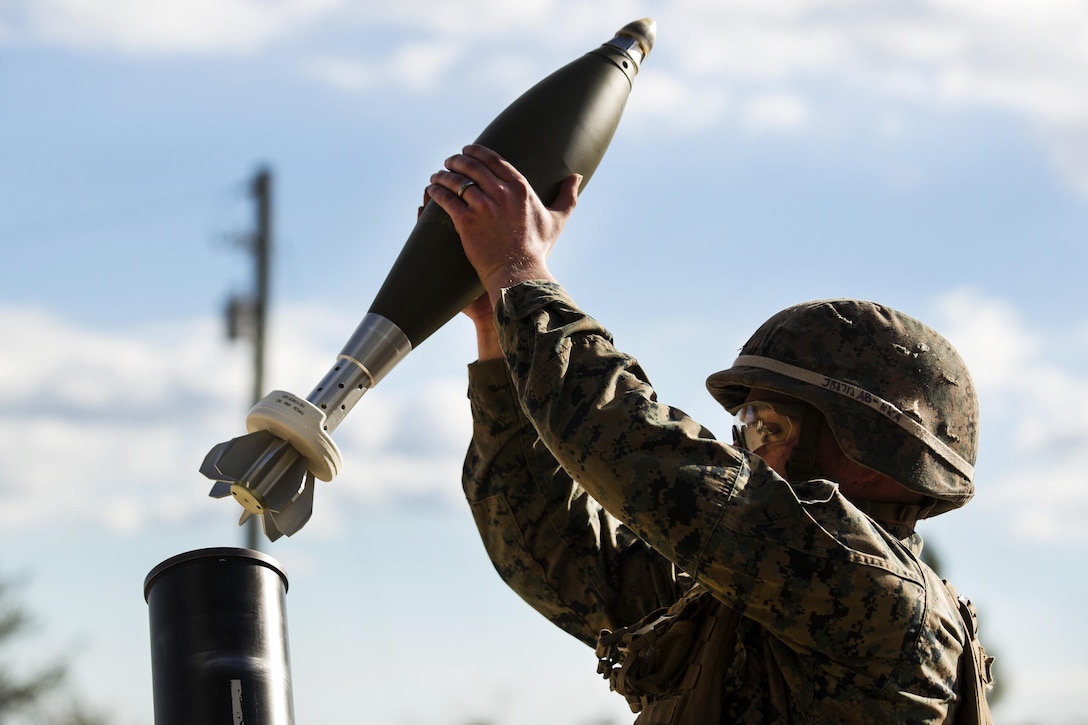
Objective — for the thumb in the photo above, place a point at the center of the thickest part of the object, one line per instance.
(567, 198)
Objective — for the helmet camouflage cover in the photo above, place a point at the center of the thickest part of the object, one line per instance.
(896, 394)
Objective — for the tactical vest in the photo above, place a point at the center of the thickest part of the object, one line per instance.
(670, 666)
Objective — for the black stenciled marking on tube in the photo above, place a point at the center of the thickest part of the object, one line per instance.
(219, 653)
(560, 126)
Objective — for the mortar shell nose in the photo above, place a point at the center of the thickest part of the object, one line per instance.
(644, 31)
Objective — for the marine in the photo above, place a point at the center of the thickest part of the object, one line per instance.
(774, 579)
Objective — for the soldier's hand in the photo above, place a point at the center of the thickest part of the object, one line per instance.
(505, 229)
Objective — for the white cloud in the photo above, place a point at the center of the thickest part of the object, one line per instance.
(776, 111)
(109, 428)
(170, 26)
(416, 67)
(462, 19)
(678, 103)
(1025, 59)
(344, 73)
(1069, 149)
(1034, 445)
(992, 337)
(920, 42)
(1020, 56)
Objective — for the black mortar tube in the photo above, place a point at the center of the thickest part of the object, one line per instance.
(219, 651)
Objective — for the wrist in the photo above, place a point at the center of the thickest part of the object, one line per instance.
(514, 274)
(487, 345)
(487, 338)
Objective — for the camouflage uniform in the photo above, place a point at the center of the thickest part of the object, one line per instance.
(598, 505)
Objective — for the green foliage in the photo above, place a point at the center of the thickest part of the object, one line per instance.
(40, 696)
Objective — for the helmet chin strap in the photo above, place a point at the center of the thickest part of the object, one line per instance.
(802, 463)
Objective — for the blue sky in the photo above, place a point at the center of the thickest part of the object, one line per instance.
(932, 155)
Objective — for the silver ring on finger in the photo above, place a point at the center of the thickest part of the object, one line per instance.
(464, 187)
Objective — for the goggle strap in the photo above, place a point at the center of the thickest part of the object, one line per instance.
(738, 438)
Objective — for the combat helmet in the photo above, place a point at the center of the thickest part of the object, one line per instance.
(896, 394)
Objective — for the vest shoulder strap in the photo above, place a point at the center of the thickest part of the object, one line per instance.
(976, 668)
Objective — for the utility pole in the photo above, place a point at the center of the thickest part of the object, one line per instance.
(247, 316)
(262, 248)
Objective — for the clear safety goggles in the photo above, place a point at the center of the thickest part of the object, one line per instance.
(762, 422)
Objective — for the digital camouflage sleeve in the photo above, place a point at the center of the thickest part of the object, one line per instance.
(552, 543)
(841, 621)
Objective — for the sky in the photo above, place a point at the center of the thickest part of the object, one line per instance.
(928, 154)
